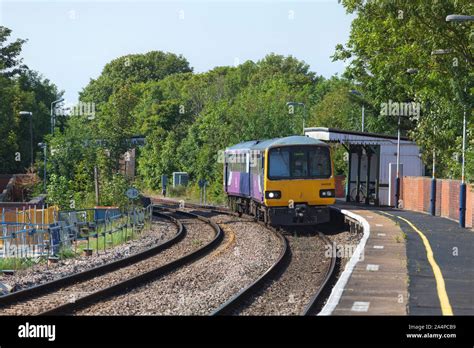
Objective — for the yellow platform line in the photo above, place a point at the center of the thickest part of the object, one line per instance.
(446, 308)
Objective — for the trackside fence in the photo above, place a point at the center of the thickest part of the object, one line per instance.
(21, 236)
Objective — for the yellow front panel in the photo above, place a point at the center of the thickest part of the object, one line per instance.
(305, 190)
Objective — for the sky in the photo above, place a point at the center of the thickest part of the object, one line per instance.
(69, 42)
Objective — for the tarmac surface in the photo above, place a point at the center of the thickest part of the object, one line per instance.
(413, 264)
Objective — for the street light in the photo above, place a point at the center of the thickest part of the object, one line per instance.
(28, 113)
(462, 193)
(440, 52)
(410, 71)
(44, 146)
(304, 110)
(53, 116)
(359, 94)
(459, 18)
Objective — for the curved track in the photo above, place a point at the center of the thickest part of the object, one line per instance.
(270, 288)
(275, 272)
(70, 293)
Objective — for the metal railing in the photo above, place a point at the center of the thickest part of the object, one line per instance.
(71, 230)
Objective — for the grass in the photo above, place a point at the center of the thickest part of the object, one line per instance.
(197, 242)
(109, 240)
(16, 263)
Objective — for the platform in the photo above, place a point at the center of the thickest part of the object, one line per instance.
(398, 275)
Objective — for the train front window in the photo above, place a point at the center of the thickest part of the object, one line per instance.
(299, 162)
(319, 163)
(279, 163)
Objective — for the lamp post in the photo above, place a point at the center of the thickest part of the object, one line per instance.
(410, 71)
(44, 146)
(304, 110)
(462, 193)
(433, 180)
(459, 18)
(359, 94)
(53, 116)
(28, 113)
(397, 179)
(433, 176)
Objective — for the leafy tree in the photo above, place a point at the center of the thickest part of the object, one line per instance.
(133, 68)
(20, 89)
(60, 191)
(389, 37)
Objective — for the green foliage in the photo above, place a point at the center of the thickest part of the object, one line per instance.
(113, 191)
(20, 90)
(389, 37)
(60, 192)
(178, 191)
(130, 69)
(17, 263)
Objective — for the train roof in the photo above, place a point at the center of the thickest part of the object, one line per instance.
(286, 141)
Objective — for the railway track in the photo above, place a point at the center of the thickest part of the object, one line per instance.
(68, 294)
(199, 288)
(273, 282)
(79, 292)
(291, 287)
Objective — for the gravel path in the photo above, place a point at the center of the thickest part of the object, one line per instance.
(160, 231)
(197, 234)
(246, 252)
(292, 290)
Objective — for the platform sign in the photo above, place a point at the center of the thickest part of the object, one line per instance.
(132, 193)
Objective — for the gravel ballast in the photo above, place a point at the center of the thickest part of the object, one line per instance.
(194, 239)
(291, 291)
(160, 231)
(246, 252)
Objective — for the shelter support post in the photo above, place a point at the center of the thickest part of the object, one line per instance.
(359, 159)
(348, 178)
(368, 150)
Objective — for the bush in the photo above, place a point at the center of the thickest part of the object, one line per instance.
(112, 192)
(178, 191)
(59, 192)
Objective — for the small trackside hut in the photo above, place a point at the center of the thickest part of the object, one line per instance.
(372, 162)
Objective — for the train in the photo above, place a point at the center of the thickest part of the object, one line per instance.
(282, 182)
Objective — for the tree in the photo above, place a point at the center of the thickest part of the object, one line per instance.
(130, 69)
(20, 89)
(386, 39)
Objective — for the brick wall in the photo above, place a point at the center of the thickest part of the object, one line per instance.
(340, 186)
(416, 190)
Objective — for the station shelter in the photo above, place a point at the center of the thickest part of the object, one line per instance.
(372, 160)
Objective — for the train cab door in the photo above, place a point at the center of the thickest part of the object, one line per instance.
(261, 174)
(226, 174)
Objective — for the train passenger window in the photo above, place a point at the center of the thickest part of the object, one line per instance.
(279, 163)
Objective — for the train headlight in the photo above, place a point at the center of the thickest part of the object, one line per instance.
(327, 193)
(273, 194)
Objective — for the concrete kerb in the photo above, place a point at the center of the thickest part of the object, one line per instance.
(340, 285)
